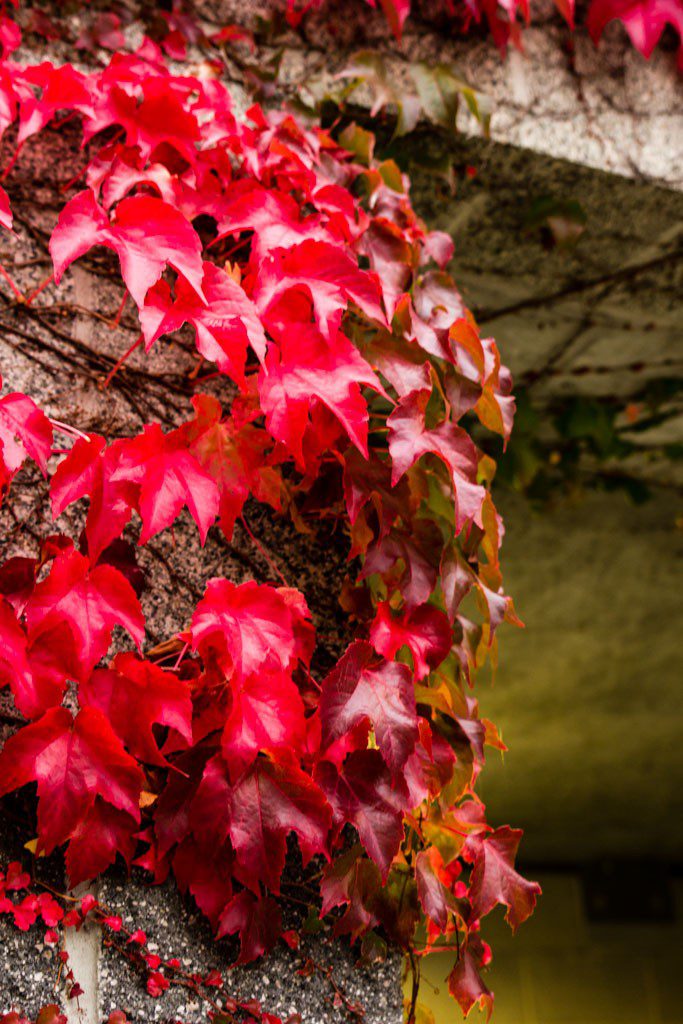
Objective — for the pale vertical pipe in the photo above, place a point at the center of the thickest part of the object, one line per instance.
(83, 947)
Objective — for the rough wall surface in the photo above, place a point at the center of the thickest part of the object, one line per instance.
(276, 982)
(605, 108)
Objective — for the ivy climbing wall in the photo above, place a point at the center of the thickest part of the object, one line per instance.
(576, 268)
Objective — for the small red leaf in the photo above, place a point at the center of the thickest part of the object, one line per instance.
(256, 919)
(25, 432)
(90, 601)
(425, 632)
(409, 439)
(73, 760)
(362, 688)
(135, 695)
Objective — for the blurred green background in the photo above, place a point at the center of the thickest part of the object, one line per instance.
(588, 695)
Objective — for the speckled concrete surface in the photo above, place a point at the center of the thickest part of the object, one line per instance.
(606, 107)
(27, 971)
(28, 968)
(173, 930)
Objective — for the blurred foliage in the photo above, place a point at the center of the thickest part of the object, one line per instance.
(579, 443)
(556, 221)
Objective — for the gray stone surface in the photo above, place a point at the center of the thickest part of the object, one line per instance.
(173, 930)
(28, 968)
(28, 971)
(606, 108)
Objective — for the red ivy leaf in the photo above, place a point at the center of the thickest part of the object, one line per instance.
(50, 910)
(134, 695)
(257, 626)
(351, 880)
(409, 439)
(73, 760)
(644, 20)
(266, 713)
(90, 601)
(365, 795)
(16, 878)
(206, 872)
(5, 210)
(494, 879)
(326, 275)
(77, 474)
(25, 432)
(435, 898)
(225, 325)
(425, 631)
(102, 833)
(272, 215)
(303, 369)
(268, 802)
(361, 688)
(146, 234)
(59, 88)
(235, 457)
(33, 673)
(87, 470)
(396, 12)
(10, 36)
(153, 115)
(467, 987)
(256, 919)
(25, 914)
(169, 477)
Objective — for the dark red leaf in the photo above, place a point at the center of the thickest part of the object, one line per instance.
(363, 687)
(268, 802)
(257, 919)
(364, 795)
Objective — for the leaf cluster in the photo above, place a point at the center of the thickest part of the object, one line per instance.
(351, 368)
